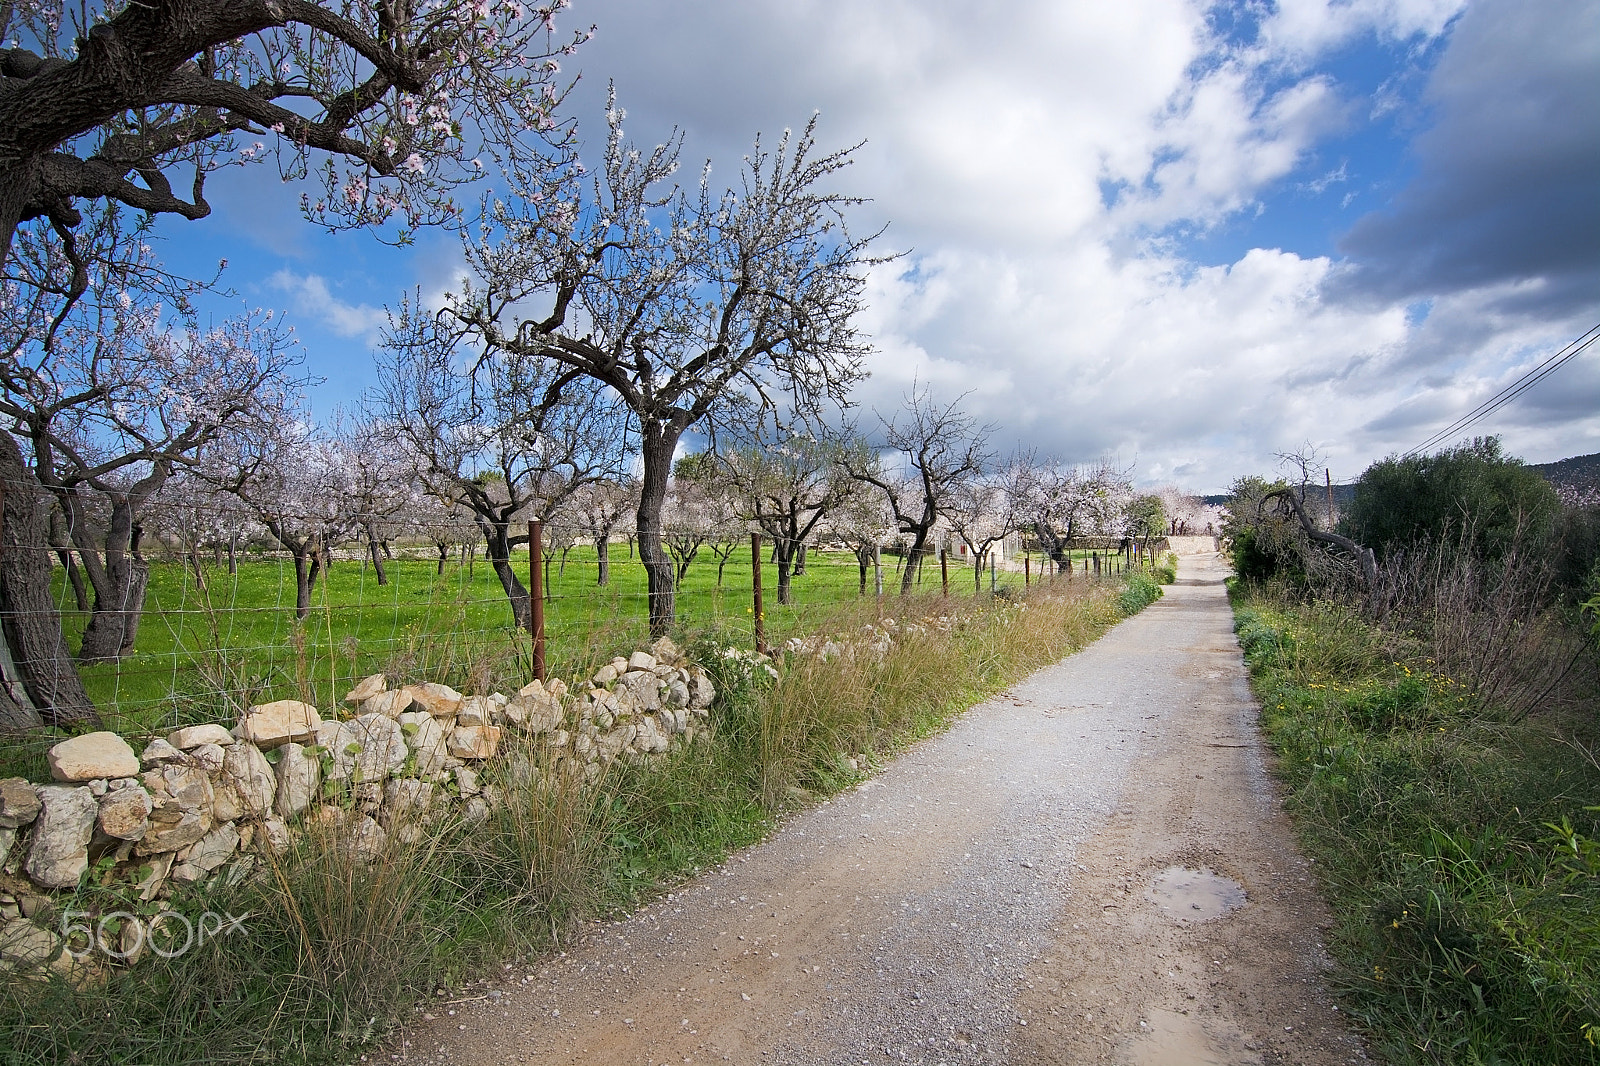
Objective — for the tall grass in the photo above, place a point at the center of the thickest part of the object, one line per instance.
(335, 950)
(1457, 835)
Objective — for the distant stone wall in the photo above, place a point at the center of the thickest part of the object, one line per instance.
(207, 800)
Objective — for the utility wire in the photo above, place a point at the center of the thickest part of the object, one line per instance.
(1511, 391)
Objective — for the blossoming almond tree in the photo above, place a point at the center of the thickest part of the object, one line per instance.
(786, 483)
(390, 104)
(102, 407)
(940, 450)
(1063, 501)
(687, 306)
(509, 435)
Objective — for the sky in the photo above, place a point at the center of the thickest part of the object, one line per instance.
(1185, 236)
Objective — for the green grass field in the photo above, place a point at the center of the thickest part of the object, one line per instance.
(202, 654)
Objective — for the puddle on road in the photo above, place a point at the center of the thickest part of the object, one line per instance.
(1168, 1038)
(1195, 895)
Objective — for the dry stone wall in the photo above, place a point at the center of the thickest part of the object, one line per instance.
(209, 800)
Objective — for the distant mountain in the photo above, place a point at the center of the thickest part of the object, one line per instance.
(1580, 473)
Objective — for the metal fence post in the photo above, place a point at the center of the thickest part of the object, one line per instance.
(755, 589)
(944, 570)
(536, 595)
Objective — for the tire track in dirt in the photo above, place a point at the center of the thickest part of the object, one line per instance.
(985, 899)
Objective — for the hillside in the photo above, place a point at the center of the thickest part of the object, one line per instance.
(1577, 474)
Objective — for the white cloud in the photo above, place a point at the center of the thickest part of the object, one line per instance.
(1302, 29)
(1044, 160)
(309, 295)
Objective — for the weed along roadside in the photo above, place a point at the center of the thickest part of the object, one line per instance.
(1457, 841)
(361, 902)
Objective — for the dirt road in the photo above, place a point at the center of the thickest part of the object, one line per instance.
(1091, 867)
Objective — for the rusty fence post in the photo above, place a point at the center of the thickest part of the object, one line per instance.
(944, 571)
(536, 595)
(755, 591)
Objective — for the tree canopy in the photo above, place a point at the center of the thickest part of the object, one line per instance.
(1472, 490)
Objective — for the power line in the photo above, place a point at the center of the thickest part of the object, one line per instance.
(1512, 391)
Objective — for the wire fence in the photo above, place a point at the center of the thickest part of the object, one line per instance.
(230, 621)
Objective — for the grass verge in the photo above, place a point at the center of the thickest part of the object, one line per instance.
(334, 951)
(1460, 848)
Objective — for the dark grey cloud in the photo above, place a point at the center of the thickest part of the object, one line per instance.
(1505, 189)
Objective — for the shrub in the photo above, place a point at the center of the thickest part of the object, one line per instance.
(1472, 489)
(1139, 590)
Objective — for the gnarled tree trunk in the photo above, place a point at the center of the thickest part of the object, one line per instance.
(658, 445)
(39, 683)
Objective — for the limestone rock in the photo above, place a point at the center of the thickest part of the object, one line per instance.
(184, 786)
(93, 755)
(701, 691)
(171, 830)
(677, 694)
(405, 800)
(389, 704)
(298, 775)
(26, 945)
(366, 748)
(274, 834)
(209, 757)
(363, 839)
(605, 675)
(666, 651)
(60, 851)
(251, 776)
(641, 688)
(474, 741)
(649, 738)
(214, 848)
(426, 738)
(475, 710)
(190, 737)
(609, 745)
(641, 660)
(441, 701)
(160, 867)
(466, 781)
(366, 688)
(19, 803)
(475, 812)
(160, 751)
(535, 709)
(125, 813)
(267, 725)
(226, 806)
(8, 837)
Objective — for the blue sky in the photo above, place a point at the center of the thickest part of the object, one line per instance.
(1187, 235)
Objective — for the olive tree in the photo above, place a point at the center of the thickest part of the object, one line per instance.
(687, 305)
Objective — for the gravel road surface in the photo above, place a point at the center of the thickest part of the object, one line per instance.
(1090, 867)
